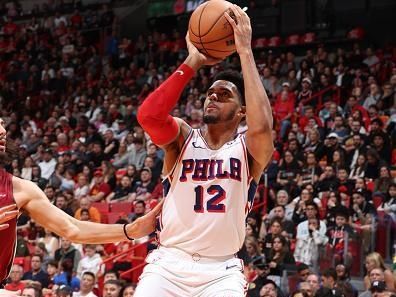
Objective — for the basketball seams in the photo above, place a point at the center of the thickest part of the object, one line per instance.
(212, 41)
(199, 27)
(214, 23)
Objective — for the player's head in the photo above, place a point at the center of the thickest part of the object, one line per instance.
(8, 150)
(225, 99)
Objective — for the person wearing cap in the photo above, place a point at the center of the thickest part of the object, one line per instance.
(48, 164)
(99, 189)
(377, 287)
(376, 276)
(332, 144)
(122, 130)
(262, 270)
(64, 291)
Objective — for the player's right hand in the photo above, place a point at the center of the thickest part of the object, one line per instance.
(198, 58)
(7, 213)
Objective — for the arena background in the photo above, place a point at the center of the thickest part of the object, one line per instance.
(73, 74)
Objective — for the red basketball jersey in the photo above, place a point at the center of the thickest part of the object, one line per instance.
(7, 236)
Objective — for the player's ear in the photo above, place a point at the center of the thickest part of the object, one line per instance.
(242, 111)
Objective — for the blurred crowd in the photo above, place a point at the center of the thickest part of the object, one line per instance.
(69, 102)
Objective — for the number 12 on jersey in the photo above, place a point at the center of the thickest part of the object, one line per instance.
(213, 204)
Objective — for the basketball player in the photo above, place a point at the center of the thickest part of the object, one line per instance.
(212, 175)
(28, 197)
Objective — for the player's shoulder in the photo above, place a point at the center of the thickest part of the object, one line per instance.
(185, 130)
(23, 190)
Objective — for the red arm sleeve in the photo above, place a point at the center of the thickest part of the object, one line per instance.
(153, 115)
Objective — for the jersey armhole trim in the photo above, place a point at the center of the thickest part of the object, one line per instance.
(245, 154)
(184, 146)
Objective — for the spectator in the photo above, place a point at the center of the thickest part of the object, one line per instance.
(376, 274)
(302, 272)
(99, 189)
(94, 213)
(32, 290)
(134, 157)
(389, 203)
(283, 111)
(48, 164)
(68, 251)
(340, 233)
(289, 173)
(314, 281)
(87, 285)
(81, 188)
(65, 276)
(128, 290)
(374, 260)
(122, 192)
(91, 262)
(64, 291)
(61, 203)
(363, 216)
(111, 288)
(15, 283)
(269, 289)
(279, 258)
(144, 188)
(311, 237)
(36, 274)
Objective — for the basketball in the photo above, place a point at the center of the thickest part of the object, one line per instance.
(209, 30)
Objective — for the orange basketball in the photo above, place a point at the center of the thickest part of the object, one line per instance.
(210, 31)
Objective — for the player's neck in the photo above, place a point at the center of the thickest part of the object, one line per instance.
(216, 135)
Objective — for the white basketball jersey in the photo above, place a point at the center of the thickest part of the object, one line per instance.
(207, 197)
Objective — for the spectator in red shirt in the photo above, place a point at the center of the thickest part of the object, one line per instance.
(99, 189)
(283, 111)
(309, 114)
(15, 277)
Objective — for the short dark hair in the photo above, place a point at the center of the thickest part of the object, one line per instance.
(302, 267)
(236, 78)
(115, 272)
(330, 272)
(36, 287)
(113, 282)
(140, 202)
(90, 274)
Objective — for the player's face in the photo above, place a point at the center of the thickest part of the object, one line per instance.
(222, 103)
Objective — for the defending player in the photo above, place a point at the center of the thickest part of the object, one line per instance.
(28, 197)
(211, 178)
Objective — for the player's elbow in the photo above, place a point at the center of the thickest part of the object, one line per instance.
(72, 233)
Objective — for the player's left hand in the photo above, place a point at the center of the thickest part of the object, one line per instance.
(240, 23)
(146, 224)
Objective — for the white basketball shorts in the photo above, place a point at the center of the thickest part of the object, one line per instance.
(173, 273)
